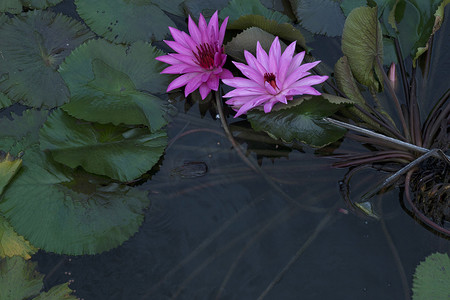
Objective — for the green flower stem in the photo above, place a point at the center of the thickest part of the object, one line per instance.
(396, 101)
(382, 137)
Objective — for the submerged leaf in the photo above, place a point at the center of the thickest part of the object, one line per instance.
(39, 4)
(19, 279)
(112, 84)
(70, 212)
(238, 8)
(4, 101)
(12, 244)
(61, 291)
(32, 47)
(126, 21)
(362, 44)
(319, 16)
(303, 122)
(432, 278)
(119, 152)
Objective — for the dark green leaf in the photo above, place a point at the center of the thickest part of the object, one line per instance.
(119, 152)
(239, 8)
(303, 122)
(362, 44)
(68, 212)
(349, 5)
(4, 101)
(32, 47)
(285, 31)
(345, 81)
(319, 16)
(432, 278)
(127, 21)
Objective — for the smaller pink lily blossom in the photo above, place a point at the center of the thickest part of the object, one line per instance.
(276, 77)
(199, 56)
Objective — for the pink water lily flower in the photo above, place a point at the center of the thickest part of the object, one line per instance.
(273, 78)
(199, 56)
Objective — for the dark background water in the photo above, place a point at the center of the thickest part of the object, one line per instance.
(229, 234)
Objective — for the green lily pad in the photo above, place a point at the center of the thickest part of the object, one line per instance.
(12, 244)
(32, 47)
(362, 44)
(346, 82)
(432, 278)
(238, 8)
(285, 30)
(21, 126)
(127, 21)
(247, 40)
(206, 7)
(303, 122)
(9, 165)
(11, 6)
(349, 5)
(15, 6)
(120, 152)
(70, 212)
(4, 101)
(20, 280)
(112, 84)
(308, 12)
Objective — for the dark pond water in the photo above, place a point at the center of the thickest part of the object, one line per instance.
(230, 233)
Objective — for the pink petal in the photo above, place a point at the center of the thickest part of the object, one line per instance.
(269, 88)
(295, 63)
(203, 28)
(238, 82)
(244, 92)
(254, 63)
(178, 37)
(250, 73)
(262, 56)
(194, 31)
(274, 56)
(213, 28)
(204, 91)
(268, 106)
(225, 74)
(293, 77)
(192, 85)
(310, 80)
(309, 66)
(223, 27)
(180, 81)
(178, 47)
(213, 83)
(285, 61)
(303, 90)
(175, 69)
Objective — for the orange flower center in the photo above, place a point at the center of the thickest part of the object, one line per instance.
(205, 55)
(270, 78)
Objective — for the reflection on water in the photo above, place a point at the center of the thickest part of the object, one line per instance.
(231, 235)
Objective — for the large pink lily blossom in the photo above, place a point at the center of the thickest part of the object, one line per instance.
(276, 77)
(199, 56)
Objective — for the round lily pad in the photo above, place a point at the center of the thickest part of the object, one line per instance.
(32, 46)
(112, 84)
(12, 244)
(127, 21)
(15, 6)
(70, 212)
(121, 152)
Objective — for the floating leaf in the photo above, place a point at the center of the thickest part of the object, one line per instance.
(285, 30)
(61, 291)
(349, 5)
(112, 84)
(32, 47)
(11, 6)
(4, 101)
(26, 125)
(303, 122)
(119, 152)
(367, 208)
(9, 166)
(239, 8)
(19, 279)
(310, 14)
(362, 44)
(205, 7)
(432, 278)
(70, 212)
(12, 244)
(39, 4)
(126, 21)
(247, 41)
